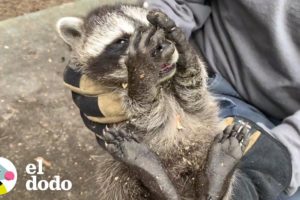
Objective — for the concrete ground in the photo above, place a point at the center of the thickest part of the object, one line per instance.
(37, 116)
(13, 8)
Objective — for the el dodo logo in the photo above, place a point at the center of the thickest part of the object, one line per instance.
(34, 183)
(8, 176)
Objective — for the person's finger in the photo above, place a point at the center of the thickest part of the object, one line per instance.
(242, 134)
(87, 104)
(97, 128)
(72, 77)
(226, 133)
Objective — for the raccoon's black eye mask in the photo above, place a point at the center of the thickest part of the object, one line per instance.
(119, 45)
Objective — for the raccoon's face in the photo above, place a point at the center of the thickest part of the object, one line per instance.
(100, 41)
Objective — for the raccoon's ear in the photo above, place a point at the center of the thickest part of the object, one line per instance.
(70, 29)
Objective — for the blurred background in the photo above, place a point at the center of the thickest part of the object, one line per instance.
(13, 8)
(37, 117)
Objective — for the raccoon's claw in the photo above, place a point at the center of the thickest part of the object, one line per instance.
(237, 130)
(114, 135)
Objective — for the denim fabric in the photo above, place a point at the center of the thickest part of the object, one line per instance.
(294, 197)
(231, 103)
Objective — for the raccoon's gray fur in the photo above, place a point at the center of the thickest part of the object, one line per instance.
(177, 118)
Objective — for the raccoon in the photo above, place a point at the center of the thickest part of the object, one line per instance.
(161, 151)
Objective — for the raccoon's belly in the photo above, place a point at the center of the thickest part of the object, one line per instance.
(186, 184)
(185, 169)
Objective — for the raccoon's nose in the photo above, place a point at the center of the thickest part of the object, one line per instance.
(166, 50)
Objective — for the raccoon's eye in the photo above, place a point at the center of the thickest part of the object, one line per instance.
(122, 41)
(118, 46)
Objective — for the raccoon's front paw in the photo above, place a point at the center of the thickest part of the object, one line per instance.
(161, 20)
(123, 146)
(224, 154)
(187, 55)
(149, 52)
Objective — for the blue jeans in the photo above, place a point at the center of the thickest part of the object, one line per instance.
(231, 103)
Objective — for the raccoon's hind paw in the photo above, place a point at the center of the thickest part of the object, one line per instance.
(141, 160)
(112, 139)
(124, 146)
(224, 154)
(229, 141)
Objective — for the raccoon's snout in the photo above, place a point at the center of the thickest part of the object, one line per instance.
(166, 50)
(169, 55)
(165, 45)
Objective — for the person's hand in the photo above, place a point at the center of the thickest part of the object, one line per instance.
(245, 162)
(86, 101)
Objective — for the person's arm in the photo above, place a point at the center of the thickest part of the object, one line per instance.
(288, 133)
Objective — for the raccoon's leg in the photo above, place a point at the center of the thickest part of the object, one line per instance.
(124, 147)
(224, 154)
(144, 101)
(190, 78)
(117, 182)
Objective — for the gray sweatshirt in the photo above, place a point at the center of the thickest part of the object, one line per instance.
(255, 45)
